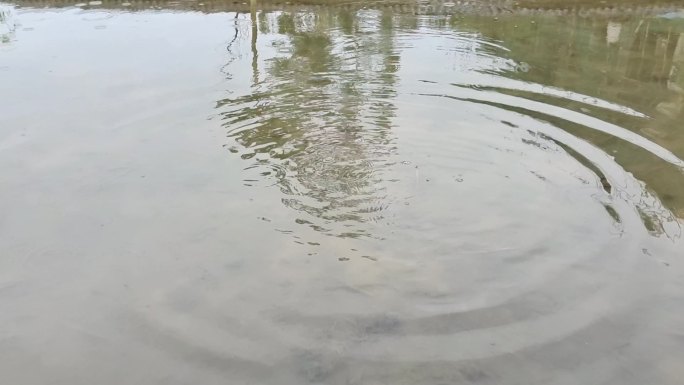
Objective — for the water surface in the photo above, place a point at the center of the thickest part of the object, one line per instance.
(341, 193)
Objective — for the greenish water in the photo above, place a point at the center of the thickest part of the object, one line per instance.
(341, 193)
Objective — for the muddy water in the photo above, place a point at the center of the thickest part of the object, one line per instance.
(341, 194)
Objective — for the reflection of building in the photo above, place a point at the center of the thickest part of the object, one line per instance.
(613, 31)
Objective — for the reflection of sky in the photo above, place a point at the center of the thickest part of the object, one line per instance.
(113, 64)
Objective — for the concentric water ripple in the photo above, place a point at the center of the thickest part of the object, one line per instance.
(340, 195)
(323, 125)
(513, 239)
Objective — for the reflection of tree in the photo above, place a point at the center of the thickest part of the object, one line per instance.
(592, 56)
(317, 119)
(610, 60)
(318, 122)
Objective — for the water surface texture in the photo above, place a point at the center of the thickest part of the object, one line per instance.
(341, 193)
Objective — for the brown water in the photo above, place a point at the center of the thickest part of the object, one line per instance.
(427, 193)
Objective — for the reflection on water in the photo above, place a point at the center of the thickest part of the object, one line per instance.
(318, 122)
(397, 192)
(609, 59)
